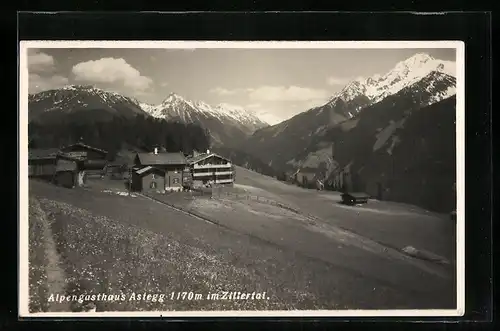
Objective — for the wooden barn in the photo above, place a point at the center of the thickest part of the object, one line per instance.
(66, 173)
(354, 198)
(58, 167)
(116, 170)
(95, 158)
(211, 168)
(70, 170)
(173, 167)
(82, 150)
(42, 162)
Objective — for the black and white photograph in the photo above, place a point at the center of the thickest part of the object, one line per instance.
(196, 178)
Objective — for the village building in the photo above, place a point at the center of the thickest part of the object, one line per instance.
(95, 158)
(306, 177)
(56, 166)
(70, 170)
(116, 170)
(354, 198)
(42, 162)
(67, 173)
(148, 179)
(82, 150)
(207, 168)
(168, 171)
(341, 179)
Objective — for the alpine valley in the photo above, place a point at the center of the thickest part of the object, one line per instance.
(392, 135)
(226, 125)
(389, 132)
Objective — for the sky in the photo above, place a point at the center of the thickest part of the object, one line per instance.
(275, 83)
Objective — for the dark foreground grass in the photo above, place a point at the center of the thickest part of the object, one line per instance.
(123, 245)
(102, 256)
(38, 291)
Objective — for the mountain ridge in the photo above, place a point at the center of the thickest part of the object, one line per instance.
(431, 83)
(226, 124)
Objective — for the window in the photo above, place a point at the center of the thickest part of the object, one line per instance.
(153, 176)
(153, 185)
(176, 180)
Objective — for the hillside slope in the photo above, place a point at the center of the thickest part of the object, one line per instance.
(80, 103)
(397, 225)
(404, 154)
(424, 79)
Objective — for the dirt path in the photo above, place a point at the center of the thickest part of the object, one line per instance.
(55, 276)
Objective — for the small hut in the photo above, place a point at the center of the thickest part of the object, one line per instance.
(66, 173)
(354, 198)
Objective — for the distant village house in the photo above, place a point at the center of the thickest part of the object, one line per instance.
(56, 166)
(95, 158)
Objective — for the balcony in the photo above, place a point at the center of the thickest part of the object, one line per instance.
(208, 166)
(210, 174)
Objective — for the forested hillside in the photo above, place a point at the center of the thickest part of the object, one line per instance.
(140, 131)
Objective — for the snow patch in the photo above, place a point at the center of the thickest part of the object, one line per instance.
(384, 135)
(121, 193)
(404, 74)
(175, 106)
(395, 141)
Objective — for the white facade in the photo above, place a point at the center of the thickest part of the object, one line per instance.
(212, 168)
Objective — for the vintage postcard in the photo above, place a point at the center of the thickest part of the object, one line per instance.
(241, 178)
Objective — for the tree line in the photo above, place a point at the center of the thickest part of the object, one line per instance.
(139, 132)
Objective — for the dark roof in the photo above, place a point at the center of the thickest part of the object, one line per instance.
(162, 159)
(65, 165)
(357, 195)
(200, 157)
(67, 156)
(37, 154)
(116, 165)
(148, 169)
(87, 147)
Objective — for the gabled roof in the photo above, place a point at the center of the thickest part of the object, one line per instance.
(162, 159)
(80, 144)
(146, 170)
(67, 156)
(357, 195)
(201, 157)
(38, 154)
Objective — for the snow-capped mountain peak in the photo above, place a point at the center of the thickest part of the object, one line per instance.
(178, 107)
(63, 98)
(173, 98)
(403, 74)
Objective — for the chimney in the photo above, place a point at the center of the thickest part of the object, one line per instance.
(156, 150)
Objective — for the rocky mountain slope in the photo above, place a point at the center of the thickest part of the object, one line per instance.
(404, 74)
(395, 150)
(421, 78)
(226, 124)
(82, 102)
